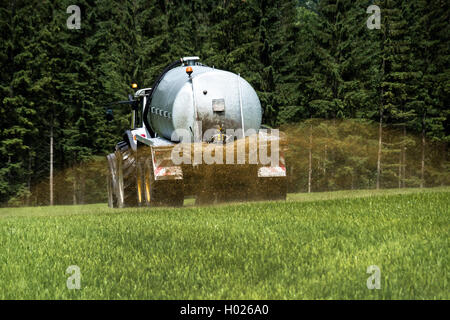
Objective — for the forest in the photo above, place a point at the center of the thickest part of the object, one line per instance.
(363, 108)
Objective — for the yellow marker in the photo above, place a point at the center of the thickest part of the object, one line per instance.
(147, 190)
(139, 190)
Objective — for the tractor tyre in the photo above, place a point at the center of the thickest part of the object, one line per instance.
(112, 180)
(126, 187)
(272, 189)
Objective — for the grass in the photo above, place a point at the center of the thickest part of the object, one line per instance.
(315, 246)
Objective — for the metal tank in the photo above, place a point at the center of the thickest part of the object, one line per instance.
(213, 97)
(144, 170)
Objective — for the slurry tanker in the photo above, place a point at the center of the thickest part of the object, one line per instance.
(196, 133)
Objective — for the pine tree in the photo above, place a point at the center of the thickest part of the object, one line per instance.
(398, 94)
(16, 110)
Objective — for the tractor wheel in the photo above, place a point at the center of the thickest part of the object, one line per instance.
(161, 192)
(126, 187)
(112, 180)
(204, 198)
(272, 188)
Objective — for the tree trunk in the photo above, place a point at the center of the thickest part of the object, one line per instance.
(352, 184)
(380, 129)
(29, 180)
(400, 154)
(326, 157)
(82, 185)
(310, 160)
(380, 144)
(444, 157)
(292, 178)
(51, 164)
(332, 155)
(422, 167)
(74, 188)
(404, 158)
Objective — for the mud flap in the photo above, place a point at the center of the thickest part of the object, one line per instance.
(163, 167)
(272, 181)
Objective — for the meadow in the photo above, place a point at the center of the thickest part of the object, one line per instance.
(313, 246)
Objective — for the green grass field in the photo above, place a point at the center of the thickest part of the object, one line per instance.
(315, 246)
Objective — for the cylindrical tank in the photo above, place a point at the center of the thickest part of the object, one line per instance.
(214, 97)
